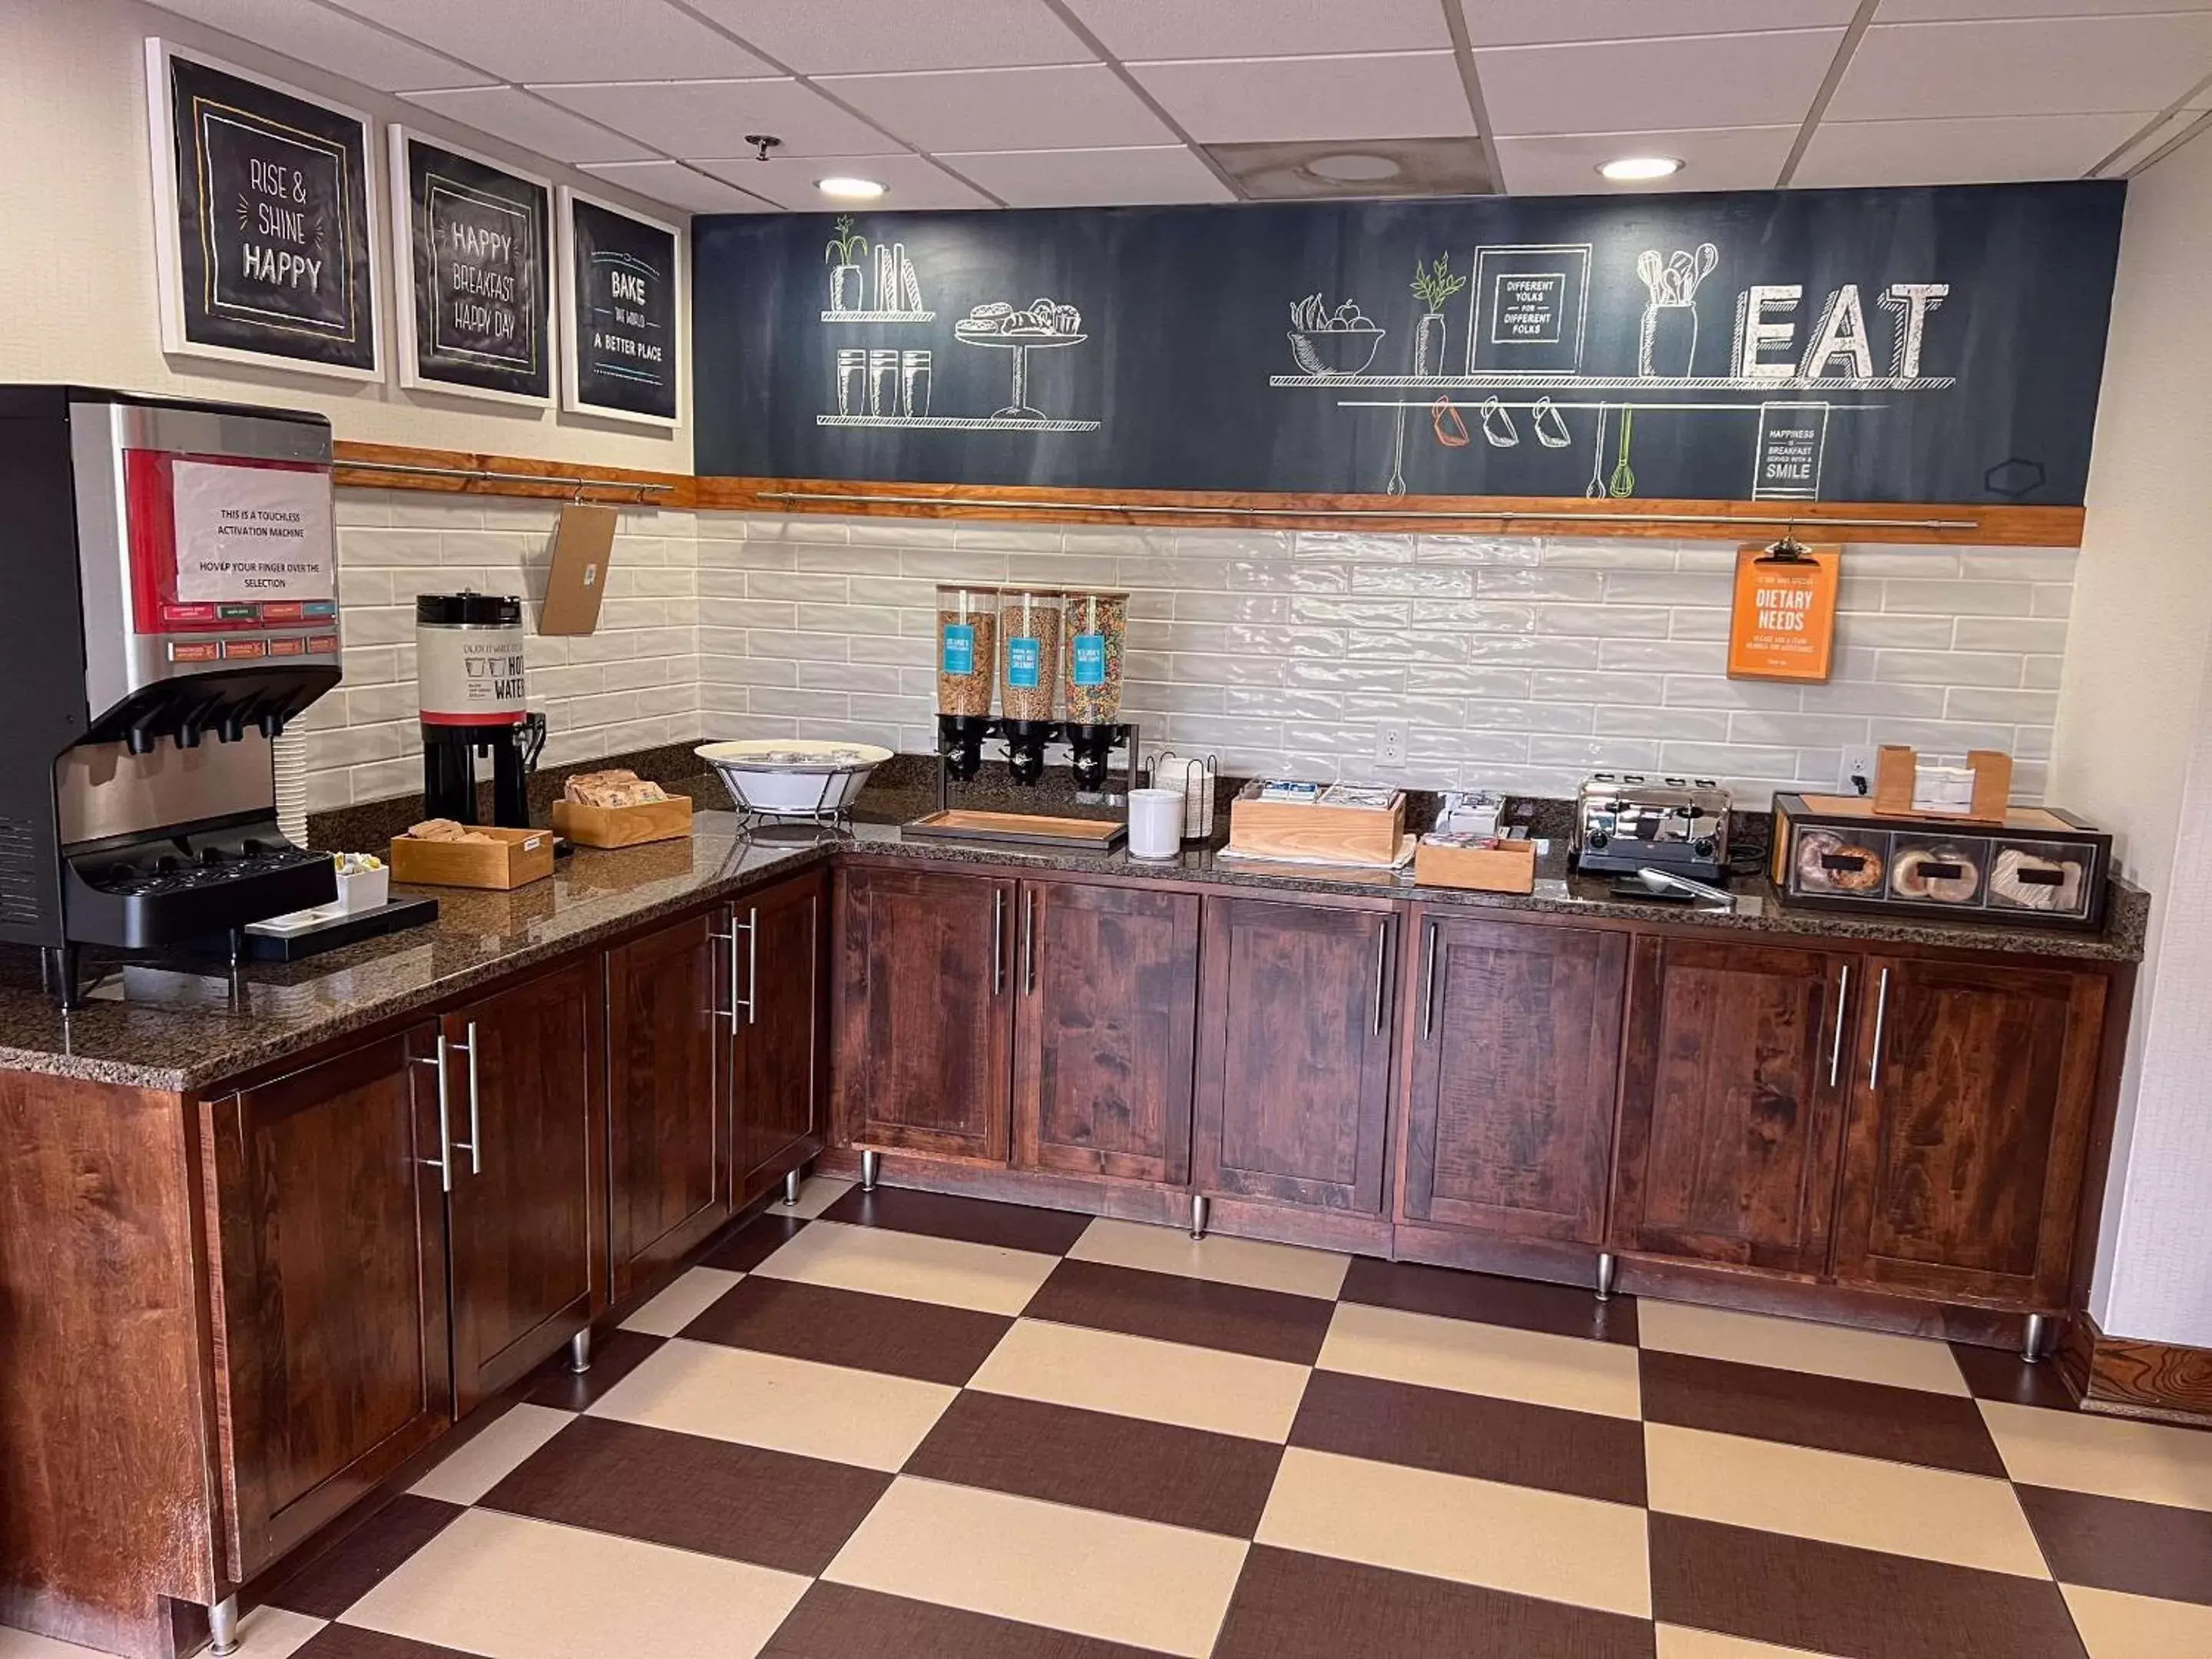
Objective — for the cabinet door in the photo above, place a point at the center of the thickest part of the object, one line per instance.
(1294, 1053)
(1971, 1103)
(668, 1095)
(1732, 1111)
(1105, 1030)
(923, 1023)
(1510, 1127)
(524, 1080)
(782, 1069)
(330, 1292)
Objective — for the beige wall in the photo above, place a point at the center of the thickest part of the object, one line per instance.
(2133, 747)
(78, 293)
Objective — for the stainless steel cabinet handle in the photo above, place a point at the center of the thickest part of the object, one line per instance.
(997, 940)
(1382, 967)
(443, 1163)
(751, 1004)
(1028, 940)
(1880, 1008)
(1428, 984)
(474, 1145)
(1842, 1005)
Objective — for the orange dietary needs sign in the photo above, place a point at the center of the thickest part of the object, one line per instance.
(1783, 624)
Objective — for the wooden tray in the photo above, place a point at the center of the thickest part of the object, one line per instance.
(513, 858)
(622, 826)
(1346, 834)
(1507, 868)
(1093, 835)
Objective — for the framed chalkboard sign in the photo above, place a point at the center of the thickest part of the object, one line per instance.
(267, 248)
(473, 242)
(623, 305)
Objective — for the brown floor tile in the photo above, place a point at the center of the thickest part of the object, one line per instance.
(351, 1642)
(1454, 1433)
(838, 1621)
(1292, 1606)
(1122, 1465)
(615, 1355)
(2117, 1544)
(1829, 1598)
(1802, 1408)
(2000, 1373)
(1177, 1309)
(973, 1220)
(754, 1243)
(336, 1577)
(713, 1497)
(889, 1333)
(1557, 1309)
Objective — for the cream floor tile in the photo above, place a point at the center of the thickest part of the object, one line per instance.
(516, 1589)
(831, 1411)
(1798, 1345)
(263, 1633)
(1226, 1261)
(1103, 1575)
(1904, 1508)
(2113, 1456)
(917, 1266)
(1533, 1366)
(1680, 1642)
(667, 1314)
(1519, 1539)
(2114, 1625)
(1139, 1376)
(493, 1454)
(816, 1194)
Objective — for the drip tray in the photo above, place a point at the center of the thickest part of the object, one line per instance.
(1025, 829)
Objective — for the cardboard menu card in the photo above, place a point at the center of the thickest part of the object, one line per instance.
(1782, 625)
(583, 542)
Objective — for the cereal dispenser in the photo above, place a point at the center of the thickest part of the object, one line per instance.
(1094, 625)
(966, 672)
(1028, 632)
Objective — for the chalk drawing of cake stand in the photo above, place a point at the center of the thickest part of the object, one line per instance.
(1021, 343)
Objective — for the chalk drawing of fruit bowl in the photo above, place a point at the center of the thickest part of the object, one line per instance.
(1341, 341)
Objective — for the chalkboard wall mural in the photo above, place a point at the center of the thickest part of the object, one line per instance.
(1925, 346)
(621, 306)
(473, 243)
(267, 248)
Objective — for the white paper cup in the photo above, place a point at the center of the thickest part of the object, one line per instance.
(1155, 823)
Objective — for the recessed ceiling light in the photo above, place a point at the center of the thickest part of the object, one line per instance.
(1636, 169)
(850, 189)
(1353, 168)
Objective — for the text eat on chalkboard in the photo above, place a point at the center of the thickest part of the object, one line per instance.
(475, 239)
(622, 357)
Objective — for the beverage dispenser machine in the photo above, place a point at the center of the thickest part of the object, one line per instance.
(171, 604)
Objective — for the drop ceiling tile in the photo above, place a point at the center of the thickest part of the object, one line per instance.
(2042, 66)
(912, 183)
(1093, 178)
(1081, 107)
(565, 40)
(1985, 150)
(1132, 29)
(1918, 11)
(1535, 22)
(537, 126)
(1407, 95)
(331, 40)
(1565, 164)
(1657, 86)
(852, 36)
(689, 119)
(678, 186)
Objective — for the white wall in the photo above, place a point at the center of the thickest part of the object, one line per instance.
(77, 281)
(2133, 747)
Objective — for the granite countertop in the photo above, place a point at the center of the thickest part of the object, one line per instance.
(184, 1025)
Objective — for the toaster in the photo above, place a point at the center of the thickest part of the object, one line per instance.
(1625, 821)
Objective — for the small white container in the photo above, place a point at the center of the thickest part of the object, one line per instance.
(1156, 823)
(365, 890)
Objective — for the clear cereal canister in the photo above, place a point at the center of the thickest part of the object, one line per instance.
(1095, 622)
(1029, 636)
(967, 649)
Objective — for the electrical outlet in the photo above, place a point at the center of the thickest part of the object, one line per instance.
(1390, 744)
(1858, 777)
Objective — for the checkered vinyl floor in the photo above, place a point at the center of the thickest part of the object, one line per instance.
(930, 1427)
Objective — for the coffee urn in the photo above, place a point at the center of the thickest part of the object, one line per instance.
(468, 668)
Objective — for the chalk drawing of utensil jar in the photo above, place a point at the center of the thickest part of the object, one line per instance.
(1433, 285)
(843, 254)
(1667, 343)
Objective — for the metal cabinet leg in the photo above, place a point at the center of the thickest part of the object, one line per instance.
(872, 1164)
(1605, 1267)
(579, 1352)
(1198, 1206)
(791, 1187)
(223, 1627)
(2030, 1345)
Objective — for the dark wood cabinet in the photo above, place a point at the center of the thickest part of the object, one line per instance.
(1509, 1123)
(923, 1030)
(1972, 1096)
(1737, 1070)
(329, 1299)
(525, 1081)
(1295, 1018)
(668, 1095)
(782, 1066)
(1105, 1030)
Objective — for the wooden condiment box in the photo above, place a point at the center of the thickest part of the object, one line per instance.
(1312, 830)
(1501, 866)
(622, 826)
(512, 857)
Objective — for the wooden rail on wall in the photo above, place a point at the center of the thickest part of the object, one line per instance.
(446, 471)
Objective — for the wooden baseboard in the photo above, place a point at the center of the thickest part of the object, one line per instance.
(2129, 1377)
